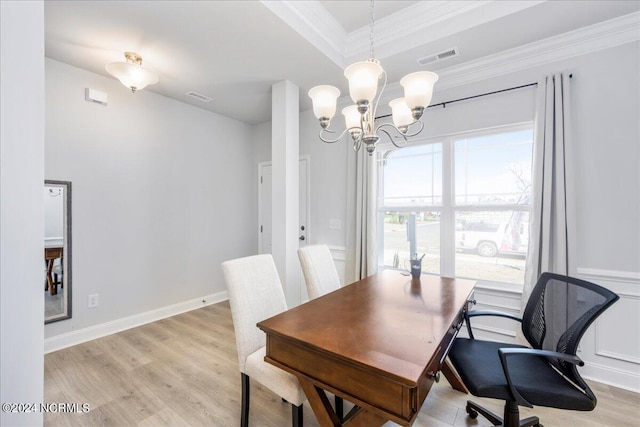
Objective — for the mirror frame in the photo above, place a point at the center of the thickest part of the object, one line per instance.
(67, 272)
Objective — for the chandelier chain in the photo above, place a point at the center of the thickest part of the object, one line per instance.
(372, 18)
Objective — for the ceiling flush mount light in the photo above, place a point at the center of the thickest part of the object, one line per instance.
(131, 74)
(363, 85)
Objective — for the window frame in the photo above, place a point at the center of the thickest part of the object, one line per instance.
(449, 207)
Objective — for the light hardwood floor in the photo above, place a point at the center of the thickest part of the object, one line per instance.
(183, 371)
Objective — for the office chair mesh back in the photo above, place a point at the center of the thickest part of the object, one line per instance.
(558, 313)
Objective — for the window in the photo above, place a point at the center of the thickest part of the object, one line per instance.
(463, 201)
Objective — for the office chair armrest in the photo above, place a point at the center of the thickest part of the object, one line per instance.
(505, 352)
(475, 313)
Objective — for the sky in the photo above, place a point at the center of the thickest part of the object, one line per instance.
(483, 165)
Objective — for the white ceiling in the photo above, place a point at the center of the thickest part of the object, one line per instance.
(354, 14)
(233, 51)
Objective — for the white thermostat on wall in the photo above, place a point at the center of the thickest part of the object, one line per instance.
(96, 96)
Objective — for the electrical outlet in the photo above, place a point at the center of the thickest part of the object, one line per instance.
(92, 301)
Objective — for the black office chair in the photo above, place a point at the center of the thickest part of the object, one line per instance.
(559, 311)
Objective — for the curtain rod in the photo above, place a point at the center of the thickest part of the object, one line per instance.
(444, 104)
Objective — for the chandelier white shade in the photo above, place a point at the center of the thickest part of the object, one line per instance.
(401, 113)
(364, 78)
(351, 116)
(418, 88)
(325, 98)
(352, 120)
(131, 74)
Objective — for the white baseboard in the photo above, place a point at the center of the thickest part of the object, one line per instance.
(69, 339)
(611, 376)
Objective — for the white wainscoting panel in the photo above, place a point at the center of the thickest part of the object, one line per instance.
(338, 254)
(491, 297)
(611, 346)
(626, 319)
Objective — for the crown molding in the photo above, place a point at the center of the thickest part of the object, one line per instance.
(412, 28)
(313, 22)
(403, 30)
(603, 35)
(319, 27)
(408, 28)
(407, 23)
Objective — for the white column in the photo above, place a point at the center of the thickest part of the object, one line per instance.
(285, 149)
(22, 209)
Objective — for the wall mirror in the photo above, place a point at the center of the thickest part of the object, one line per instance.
(57, 250)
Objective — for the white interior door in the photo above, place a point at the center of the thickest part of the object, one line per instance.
(265, 211)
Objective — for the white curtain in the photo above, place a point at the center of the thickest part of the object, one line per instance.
(361, 255)
(552, 232)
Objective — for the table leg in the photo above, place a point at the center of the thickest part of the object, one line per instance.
(61, 269)
(319, 403)
(452, 376)
(327, 417)
(52, 286)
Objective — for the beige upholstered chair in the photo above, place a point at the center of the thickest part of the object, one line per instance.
(321, 277)
(255, 294)
(319, 270)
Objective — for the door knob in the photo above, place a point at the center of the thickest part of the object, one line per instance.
(301, 238)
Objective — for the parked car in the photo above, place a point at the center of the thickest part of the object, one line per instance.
(489, 239)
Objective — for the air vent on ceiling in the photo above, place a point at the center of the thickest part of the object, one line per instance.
(445, 54)
(199, 96)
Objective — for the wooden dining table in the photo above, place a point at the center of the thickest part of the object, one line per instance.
(379, 343)
(51, 253)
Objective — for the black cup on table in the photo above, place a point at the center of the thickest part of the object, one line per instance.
(416, 268)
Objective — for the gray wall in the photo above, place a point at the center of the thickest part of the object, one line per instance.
(161, 195)
(21, 210)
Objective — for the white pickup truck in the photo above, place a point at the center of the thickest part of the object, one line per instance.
(489, 239)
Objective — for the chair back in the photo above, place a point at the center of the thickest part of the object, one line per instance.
(255, 294)
(559, 311)
(320, 274)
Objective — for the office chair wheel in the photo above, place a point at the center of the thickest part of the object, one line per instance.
(473, 414)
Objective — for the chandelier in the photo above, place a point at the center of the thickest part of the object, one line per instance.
(363, 85)
(131, 74)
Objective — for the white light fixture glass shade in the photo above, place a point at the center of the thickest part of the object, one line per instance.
(363, 80)
(351, 116)
(131, 74)
(324, 98)
(401, 113)
(418, 88)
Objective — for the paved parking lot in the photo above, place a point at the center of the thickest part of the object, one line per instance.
(502, 268)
